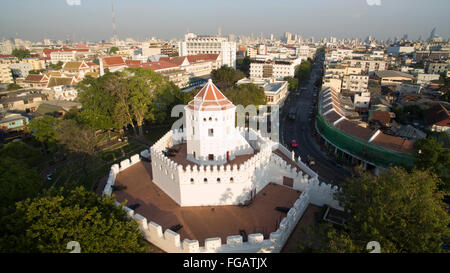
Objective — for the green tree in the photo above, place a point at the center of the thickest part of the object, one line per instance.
(226, 77)
(13, 86)
(432, 156)
(21, 53)
(113, 49)
(303, 70)
(48, 222)
(244, 65)
(56, 66)
(99, 102)
(44, 130)
(36, 71)
(22, 152)
(17, 181)
(292, 82)
(402, 211)
(246, 94)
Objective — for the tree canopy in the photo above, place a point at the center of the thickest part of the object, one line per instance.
(432, 156)
(129, 98)
(226, 77)
(113, 49)
(44, 129)
(292, 82)
(246, 94)
(48, 222)
(21, 53)
(303, 70)
(402, 211)
(56, 66)
(13, 86)
(244, 65)
(18, 181)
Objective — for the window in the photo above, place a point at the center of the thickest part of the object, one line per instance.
(210, 132)
(231, 180)
(205, 180)
(211, 157)
(192, 180)
(193, 130)
(218, 180)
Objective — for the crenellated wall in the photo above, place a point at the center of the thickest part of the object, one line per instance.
(256, 173)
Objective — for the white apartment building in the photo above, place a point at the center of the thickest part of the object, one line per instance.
(193, 45)
(251, 52)
(363, 100)
(368, 66)
(62, 56)
(378, 54)
(340, 54)
(21, 69)
(334, 83)
(409, 88)
(276, 69)
(355, 83)
(5, 74)
(427, 78)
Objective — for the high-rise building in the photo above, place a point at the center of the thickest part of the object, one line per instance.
(193, 45)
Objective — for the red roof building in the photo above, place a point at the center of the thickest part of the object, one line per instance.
(209, 98)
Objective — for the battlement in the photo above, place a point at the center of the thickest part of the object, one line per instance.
(313, 192)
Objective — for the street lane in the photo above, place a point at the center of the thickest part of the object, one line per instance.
(302, 130)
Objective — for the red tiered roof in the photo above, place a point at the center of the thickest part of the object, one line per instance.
(209, 98)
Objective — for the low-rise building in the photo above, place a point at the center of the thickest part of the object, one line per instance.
(275, 91)
(276, 69)
(62, 56)
(36, 81)
(5, 74)
(62, 88)
(436, 68)
(423, 78)
(392, 77)
(355, 83)
(438, 118)
(20, 69)
(409, 88)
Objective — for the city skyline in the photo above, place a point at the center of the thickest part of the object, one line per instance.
(172, 19)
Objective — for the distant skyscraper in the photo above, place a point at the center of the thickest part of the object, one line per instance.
(432, 34)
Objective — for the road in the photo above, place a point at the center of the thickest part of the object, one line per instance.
(302, 130)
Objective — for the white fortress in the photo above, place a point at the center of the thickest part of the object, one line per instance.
(217, 164)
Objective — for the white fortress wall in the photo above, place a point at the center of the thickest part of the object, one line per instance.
(170, 241)
(266, 167)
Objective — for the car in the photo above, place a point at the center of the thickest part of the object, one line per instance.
(294, 143)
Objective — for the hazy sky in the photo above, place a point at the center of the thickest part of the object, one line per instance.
(91, 20)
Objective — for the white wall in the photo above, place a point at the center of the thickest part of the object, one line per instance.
(272, 171)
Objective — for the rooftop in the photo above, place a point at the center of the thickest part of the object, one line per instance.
(209, 98)
(200, 223)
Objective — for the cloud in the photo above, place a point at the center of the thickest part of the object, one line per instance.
(374, 2)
